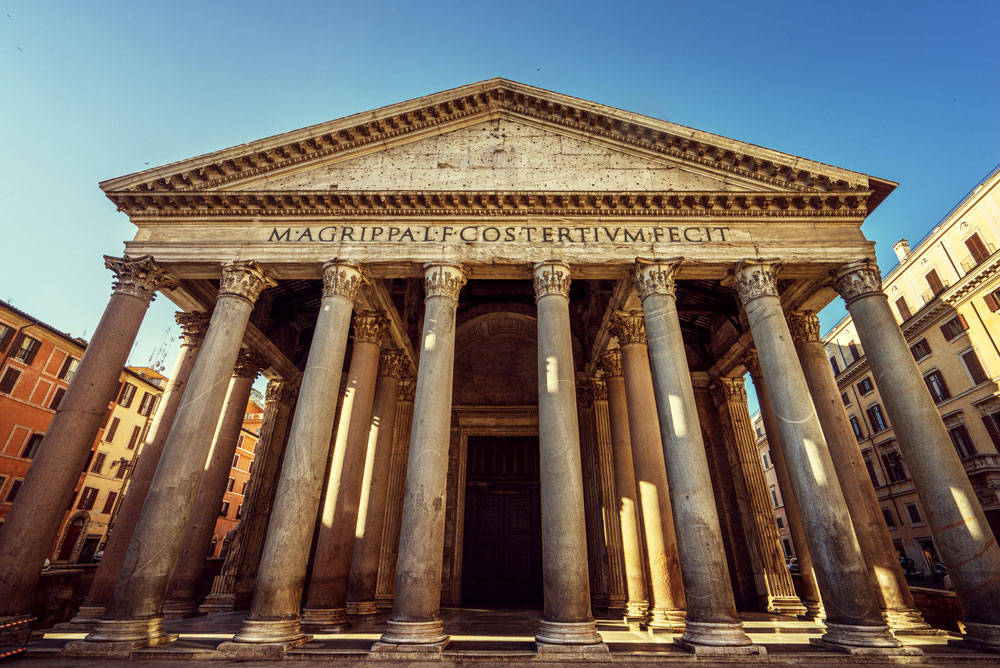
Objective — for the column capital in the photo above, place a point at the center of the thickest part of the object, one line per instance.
(858, 279)
(343, 278)
(369, 327)
(752, 365)
(584, 394)
(611, 363)
(803, 326)
(551, 278)
(656, 277)
(629, 327)
(138, 276)
(248, 364)
(193, 326)
(280, 391)
(407, 389)
(756, 278)
(393, 362)
(444, 279)
(729, 390)
(244, 279)
(599, 389)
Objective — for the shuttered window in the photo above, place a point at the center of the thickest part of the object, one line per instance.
(975, 367)
(903, 308)
(977, 248)
(26, 348)
(9, 380)
(934, 281)
(954, 327)
(937, 387)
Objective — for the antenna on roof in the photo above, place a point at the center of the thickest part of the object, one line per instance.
(158, 358)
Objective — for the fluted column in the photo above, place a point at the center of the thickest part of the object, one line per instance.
(593, 504)
(711, 624)
(375, 485)
(614, 550)
(852, 611)
(133, 617)
(566, 619)
(273, 622)
(774, 583)
(621, 443)
(957, 521)
(36, 514)
(183, 594)
(666, 587)
(416, 615)
(193, 326)
(325, 606)
(232, 587)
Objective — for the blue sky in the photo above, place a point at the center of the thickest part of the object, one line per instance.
(907, 91)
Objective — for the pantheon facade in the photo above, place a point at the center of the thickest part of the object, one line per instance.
(505, 332)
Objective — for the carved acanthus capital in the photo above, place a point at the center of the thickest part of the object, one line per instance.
(859, 279)
(369, 327)
(343, 278)
(280, 391)
(752, 365)
(551, 278)
(729, 390)
(138, 277)
(598, 389)
(407, 389)
(444, 279)
(629, 327)
(611, 363)
(584, 395)
(804, 327)
(193, 327)
(248, 364)
(244, 279)
(656, 277)
(393, 362)
(756, 278)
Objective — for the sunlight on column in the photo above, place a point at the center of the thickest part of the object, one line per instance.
(968, 512)
(677, 414)
(429, 340)
(815, 461)
(551, 375)
(366, 480)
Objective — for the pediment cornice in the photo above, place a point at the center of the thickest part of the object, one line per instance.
(435, 113)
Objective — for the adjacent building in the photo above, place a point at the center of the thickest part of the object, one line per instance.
(773, 489)
(231, 511)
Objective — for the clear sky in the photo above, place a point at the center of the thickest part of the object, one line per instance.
(907, 91)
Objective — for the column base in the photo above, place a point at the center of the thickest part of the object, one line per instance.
(814, 610)
(856, 650)
(849, 637)
(635, 612)
(324, 620)
(116, 638)
(86, 619)
(594, 652)
(717, 638)
(362, 608)
(567, 633)
(665, 621)
(399, 633)
(264, 639)
(180, 608)
(910, 623)
(218, 603)
(786, 605)
(980, 637)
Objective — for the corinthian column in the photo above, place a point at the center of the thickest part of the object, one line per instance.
(183, 595)
(593, 503)
(957, 522)
(567, 621)
(621, 444)
(325, 606)
(774, 583)
(711, 625)
(375, 485)
(133, 617)
(232, 587)
(416, 617)
(33, 520)
(666, 586)
(853, 621)
(193, 326)
(273, 623)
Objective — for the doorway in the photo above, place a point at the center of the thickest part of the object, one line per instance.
(502, 555)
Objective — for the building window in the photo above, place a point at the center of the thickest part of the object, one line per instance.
(239, 512)
(87, 498)
(963, 442)
(889, 519)
(894, 467)
(903, 308)
(134, 438)
(992, 423)
(934, 281)
(126, 395)
(146, 405)
(977, 248)
(876, 418)
(870, 467)
(774, 497)
(229, 485)
(236, 461)
(56, 398)
(937, 387)
(224, 510)
(764, 458)
(6, 336)
(14, 487)
(239, 441)
(920, 349)
(109, 503)
(31, 447)
(865, 386)
(786, 548)
(121, 468)
(781, 521)
(954, 327)
(914, 513)
(759, 432)
(109, 435)
(9, 380)
(68, 369)
(25, 349)
(974, 367)
(845, 398)
(98, 466)
(992, 303)
(855, 353)
(856, 426)
(836, 367)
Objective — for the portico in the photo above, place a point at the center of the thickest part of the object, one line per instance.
(550, 276)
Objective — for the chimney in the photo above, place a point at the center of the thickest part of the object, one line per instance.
(902, 248)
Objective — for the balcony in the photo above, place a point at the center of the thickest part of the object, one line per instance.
(969, 263)
(984, 463)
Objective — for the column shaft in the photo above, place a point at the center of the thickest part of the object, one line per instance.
(388, 554)
(593, 503)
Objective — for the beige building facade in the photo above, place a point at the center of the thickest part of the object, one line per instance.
(511, 327)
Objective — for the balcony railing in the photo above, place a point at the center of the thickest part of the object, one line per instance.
(984, 463)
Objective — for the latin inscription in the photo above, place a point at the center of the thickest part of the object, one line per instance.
(500, 234)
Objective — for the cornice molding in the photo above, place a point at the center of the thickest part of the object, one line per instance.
(417, 203)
